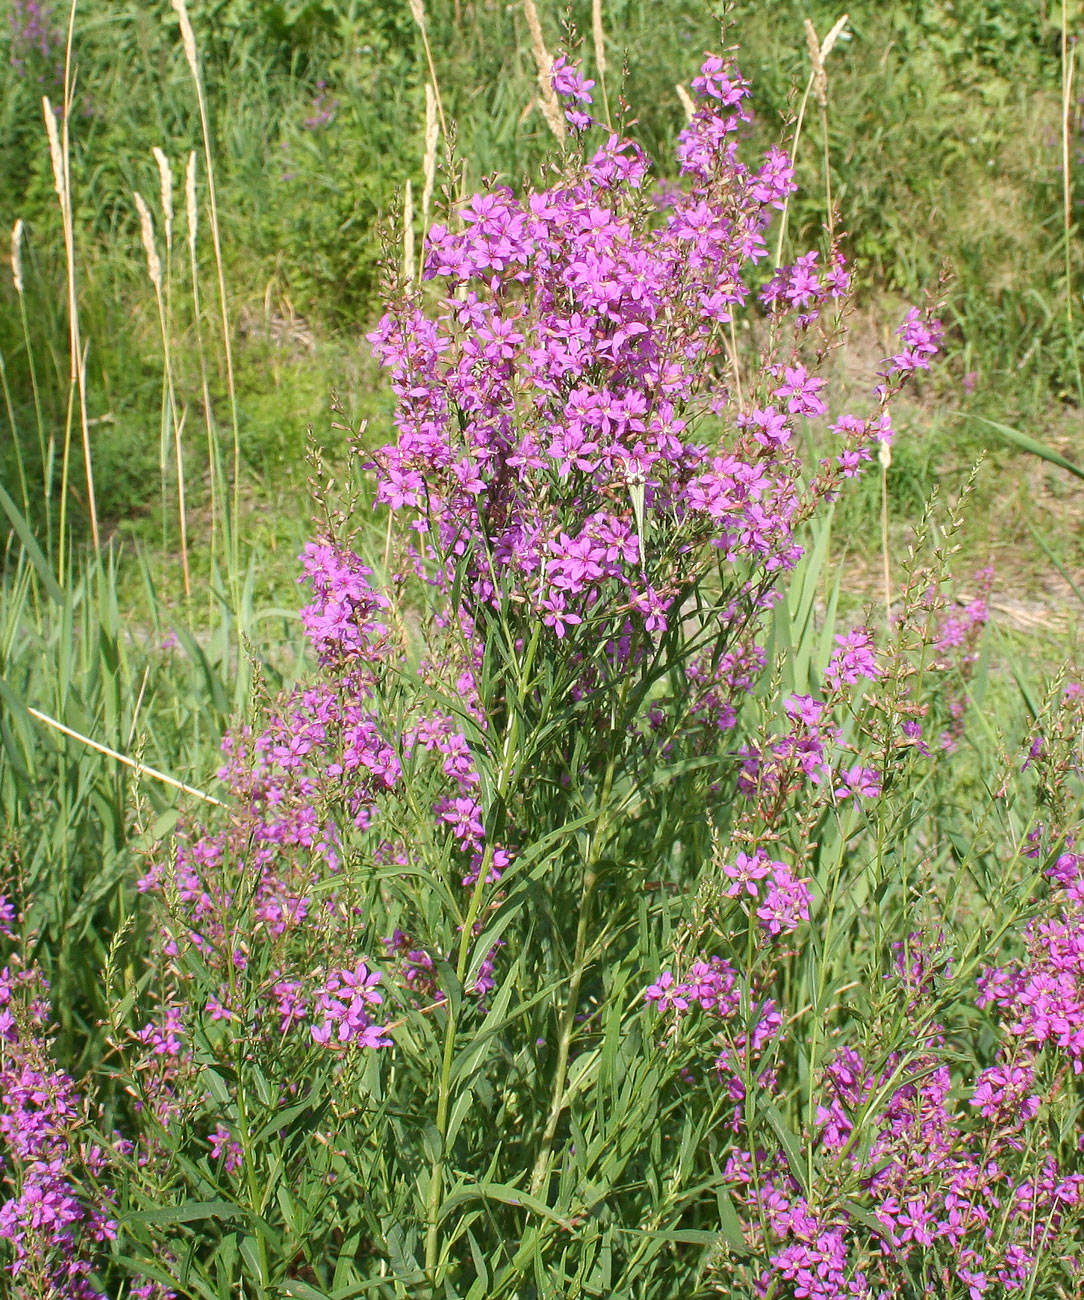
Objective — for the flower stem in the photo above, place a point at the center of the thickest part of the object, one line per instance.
(510, 753)
(564, 1042)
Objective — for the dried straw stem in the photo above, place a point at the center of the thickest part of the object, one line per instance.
(548, 102)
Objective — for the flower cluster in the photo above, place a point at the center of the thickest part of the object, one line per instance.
(782, 902)
(743, 1023)
(560, 420)
(918, 1173)
(54, 1229)
(1040, 999)
(342, 1009)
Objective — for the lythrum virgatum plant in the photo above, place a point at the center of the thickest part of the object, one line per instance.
(599, 920)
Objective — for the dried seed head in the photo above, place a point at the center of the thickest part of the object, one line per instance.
(146, 231)
(188, 36)
(818, 52)
(17, 255)
(820, 77)
(55, 155)
(829, 42)
(191, 206)
(551, 108)
(165, 185)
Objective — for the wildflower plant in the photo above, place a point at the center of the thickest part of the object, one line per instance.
(597, 919)
(36, 40)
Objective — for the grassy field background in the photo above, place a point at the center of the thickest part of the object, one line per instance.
(944, 150)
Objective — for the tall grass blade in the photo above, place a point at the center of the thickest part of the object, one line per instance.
(1024, 442)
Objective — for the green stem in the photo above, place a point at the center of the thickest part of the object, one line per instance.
(47, 458)
(564, 1042)
(244, 1138)
(444, 1089)
(558, 1100)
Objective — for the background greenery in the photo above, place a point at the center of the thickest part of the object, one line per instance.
(945, 164)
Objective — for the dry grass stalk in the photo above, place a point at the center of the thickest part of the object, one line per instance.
(165, 184)
(45, 448)
(818, 52)
(598, 36)
(686, 102)
(817, 85)
(154, 271)
(17, 255)
(551, 108)
(429, 160)
(188, 36)
(140, 769)
(1068, 70)
(189, 41)
(191, 207)
(146, 234)
(77, 374)
(417, 9)
(191, 203)
(56, 156)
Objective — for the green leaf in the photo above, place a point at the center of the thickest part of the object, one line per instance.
(789, 1143)
(507, 1195)
(729, 1224)
(1032, 446)
(30, 546)
(190, 1212)
(684, 1236)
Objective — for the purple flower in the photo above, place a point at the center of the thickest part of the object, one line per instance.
(801, 389)
(224, 1148)
(746, 871)
(341, 1009)
(859, 783)
(853, 659)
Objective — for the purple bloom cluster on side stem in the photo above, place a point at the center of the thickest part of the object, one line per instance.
(916, 1175)
(54, 1223)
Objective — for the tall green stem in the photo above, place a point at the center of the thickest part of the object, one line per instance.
(544, 1161)
(509, 755)
(564, 1041)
